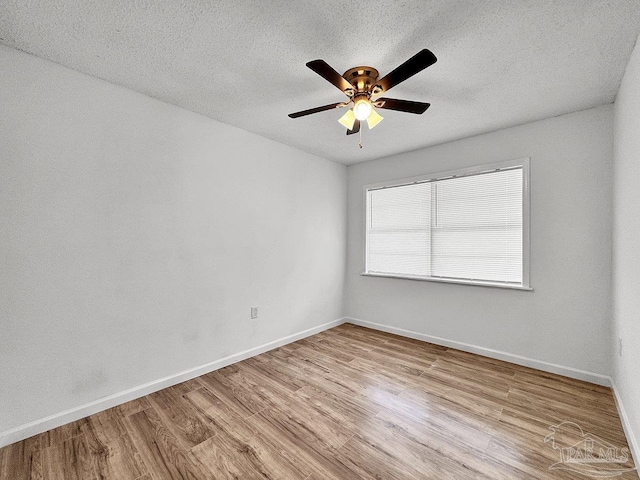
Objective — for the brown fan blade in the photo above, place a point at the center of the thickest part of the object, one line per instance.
(323, 69)
(355, 129)
(417, 63)
(402, 105)
(317, 109)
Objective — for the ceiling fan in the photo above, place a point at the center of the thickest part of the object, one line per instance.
(363, 87)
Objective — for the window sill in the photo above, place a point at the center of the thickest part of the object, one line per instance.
(446, 280)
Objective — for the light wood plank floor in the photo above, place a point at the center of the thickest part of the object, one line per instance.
(349, 403)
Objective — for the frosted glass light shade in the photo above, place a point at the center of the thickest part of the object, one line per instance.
(348, 119)
(374, 118)
(362, 109)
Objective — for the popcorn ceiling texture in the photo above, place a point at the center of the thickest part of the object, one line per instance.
(500, 62)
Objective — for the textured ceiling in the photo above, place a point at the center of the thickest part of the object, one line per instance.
(500, 62)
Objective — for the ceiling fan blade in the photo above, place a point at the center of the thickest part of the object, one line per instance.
(325, 70)
(417, 63)
(355, 129)
(402, 105)
(317, 109)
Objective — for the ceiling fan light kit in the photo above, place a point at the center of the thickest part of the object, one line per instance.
(362, 87)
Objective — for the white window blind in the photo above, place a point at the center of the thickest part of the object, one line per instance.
(468, 228)
(400, 230)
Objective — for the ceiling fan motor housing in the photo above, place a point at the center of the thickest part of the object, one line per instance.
(363, 79)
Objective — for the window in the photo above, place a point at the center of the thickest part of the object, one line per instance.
(466, 226)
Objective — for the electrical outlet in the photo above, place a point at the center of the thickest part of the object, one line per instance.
(254, 312)
(620, 346)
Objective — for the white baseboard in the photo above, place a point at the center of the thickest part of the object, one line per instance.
(591, 377)
(42, 425)
(626, 425)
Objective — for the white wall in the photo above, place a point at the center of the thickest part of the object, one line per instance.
(135, 236)
(566, 320)
(626, 246)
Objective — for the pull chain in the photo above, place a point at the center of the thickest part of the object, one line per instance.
(360, 142)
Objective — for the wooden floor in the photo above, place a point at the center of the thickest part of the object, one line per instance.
(349, 403)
